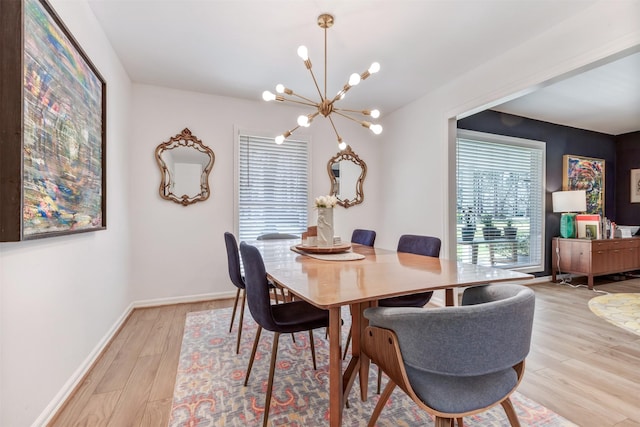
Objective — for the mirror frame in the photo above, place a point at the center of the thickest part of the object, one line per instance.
(348, 155)
(184, 139)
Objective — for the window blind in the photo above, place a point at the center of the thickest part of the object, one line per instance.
(500, 184)
(273, 181)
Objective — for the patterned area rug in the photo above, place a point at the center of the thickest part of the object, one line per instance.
(623, 310)
(209, 387)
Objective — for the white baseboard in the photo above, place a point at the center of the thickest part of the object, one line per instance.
(74, 381)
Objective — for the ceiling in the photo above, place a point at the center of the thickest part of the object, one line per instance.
(239, 48)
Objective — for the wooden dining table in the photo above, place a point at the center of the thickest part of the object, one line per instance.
(359, 284)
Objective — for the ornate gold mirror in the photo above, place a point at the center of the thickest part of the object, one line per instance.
(185, 163)
(347, 172)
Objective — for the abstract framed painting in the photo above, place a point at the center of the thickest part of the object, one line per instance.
(53, 150)
(585, 173)
(635, 185)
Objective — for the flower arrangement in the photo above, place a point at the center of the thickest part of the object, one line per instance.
(328, 201)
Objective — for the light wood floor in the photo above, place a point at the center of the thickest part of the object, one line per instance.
(580, 366)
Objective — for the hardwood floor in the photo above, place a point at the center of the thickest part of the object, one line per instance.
(580, 366)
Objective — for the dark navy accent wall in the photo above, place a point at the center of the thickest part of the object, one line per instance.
(560, 140)
(627, 158)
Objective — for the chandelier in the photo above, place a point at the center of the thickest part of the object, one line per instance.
(326, 106)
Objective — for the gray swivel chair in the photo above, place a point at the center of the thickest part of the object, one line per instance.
(454, 361)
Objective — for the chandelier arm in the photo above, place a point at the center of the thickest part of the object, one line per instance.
(363, 112)
(310, 103)
(334, 128)
(348, 117)
(315, 82)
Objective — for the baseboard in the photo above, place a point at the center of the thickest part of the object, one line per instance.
(72, 384)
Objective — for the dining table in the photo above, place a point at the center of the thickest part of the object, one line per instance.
(358, 278)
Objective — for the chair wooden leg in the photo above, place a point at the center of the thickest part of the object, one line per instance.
(379, 379)
(284, 297)
(443, 422)
(244, 296)
(235, 306)
(313, 349)
(460, 422)
(511, 412)
(381, 402)
(272, 368)
(346, 346)
(253, 354)
(275, 295)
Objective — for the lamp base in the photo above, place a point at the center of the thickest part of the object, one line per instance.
(568, 225)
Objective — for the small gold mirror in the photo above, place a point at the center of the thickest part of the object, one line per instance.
(185, 163)
(347, 172)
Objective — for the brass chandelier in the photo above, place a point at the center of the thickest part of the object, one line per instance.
(325, 106)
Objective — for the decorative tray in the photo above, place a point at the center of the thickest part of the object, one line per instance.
(335, 249)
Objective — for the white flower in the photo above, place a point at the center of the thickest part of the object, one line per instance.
(328, 201)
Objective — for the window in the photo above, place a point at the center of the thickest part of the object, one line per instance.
(273, 182)
(500, 201)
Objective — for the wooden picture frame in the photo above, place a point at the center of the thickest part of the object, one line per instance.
(585, 173)
(635, 185)
(53, 128)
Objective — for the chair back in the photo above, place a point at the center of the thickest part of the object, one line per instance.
(489, 333)
(257, 287)
(419, 245)
(233, 260)
(363, 237)
(277, 236)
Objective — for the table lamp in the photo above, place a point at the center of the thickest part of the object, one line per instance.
(569, 202)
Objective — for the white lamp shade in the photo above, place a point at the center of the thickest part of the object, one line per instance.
(569, 201)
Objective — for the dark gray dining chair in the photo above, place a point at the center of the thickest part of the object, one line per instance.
(419, 245)
(363, 237)
(366, 238)
(235, 274)
(454, 361)
(288, 317)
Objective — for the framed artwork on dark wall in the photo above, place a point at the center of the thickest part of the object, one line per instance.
(635, 185)
(52, 154)
(585, 173)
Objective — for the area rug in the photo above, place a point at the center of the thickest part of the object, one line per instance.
(622, 310)
(209, 387)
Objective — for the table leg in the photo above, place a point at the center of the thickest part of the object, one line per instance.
(336, 396)
(449, 297)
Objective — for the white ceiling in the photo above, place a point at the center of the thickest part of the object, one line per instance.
(240, 48)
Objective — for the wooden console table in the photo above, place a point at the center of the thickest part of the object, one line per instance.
(595, 257)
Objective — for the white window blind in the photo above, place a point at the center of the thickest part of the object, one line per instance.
(500, 200)
(273, 182)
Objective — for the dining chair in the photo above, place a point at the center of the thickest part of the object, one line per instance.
(235, 274)
(366, 238)
(363, 237)
(419, 245)
(454, 361)
(287, 317)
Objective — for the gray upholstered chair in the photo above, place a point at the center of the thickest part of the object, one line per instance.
(455, 361)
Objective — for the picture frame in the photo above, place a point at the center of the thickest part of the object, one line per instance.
(53, 150)
(635, 185)
(588, 227)
(585, 173)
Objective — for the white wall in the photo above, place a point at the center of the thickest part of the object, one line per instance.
(179, 251)
(417, 144)
(60, 296)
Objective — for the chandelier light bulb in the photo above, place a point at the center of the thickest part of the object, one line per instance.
(268, 96)
(342, 145)
(374, 68)
(280, 88)
(354, 79)
(303, 53)
(377, 129)
(303, 121)
(279, 139)
(375, 114)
